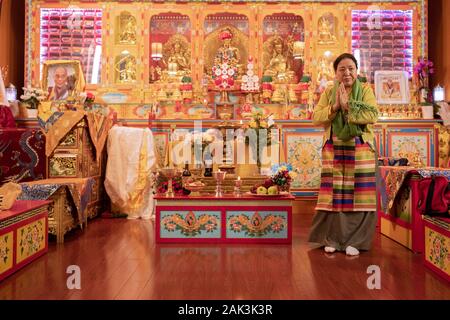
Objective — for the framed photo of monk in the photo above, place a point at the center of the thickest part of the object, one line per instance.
(63, 79)
(391, 87)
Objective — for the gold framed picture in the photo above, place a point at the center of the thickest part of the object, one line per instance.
(62, 79)
(392, 87)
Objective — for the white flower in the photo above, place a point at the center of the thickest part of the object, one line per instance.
(244, 78)
(230, 72)
(224, 66)
(250, 73)
(250, 66)
(218, 72)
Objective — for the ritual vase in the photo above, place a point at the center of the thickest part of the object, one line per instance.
(32, 113)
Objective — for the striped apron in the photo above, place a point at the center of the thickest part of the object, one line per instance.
(348, 176)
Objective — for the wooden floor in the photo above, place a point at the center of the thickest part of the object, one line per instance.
(120, 260)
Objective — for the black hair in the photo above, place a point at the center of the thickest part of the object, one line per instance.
(342, 57)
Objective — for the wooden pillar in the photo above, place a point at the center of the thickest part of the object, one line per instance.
(439, 43)
(12, 40)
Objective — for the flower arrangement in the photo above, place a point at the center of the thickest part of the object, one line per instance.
(162, 185)
(259, 124)
(282, 177)
(206, 138)
(90, 98)
(422, 70)
(33, 97)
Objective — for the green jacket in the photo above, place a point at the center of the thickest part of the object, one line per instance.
(323, 114)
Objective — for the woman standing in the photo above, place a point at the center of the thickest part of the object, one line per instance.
(346, 208)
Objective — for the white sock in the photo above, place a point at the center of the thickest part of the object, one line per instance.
(350, 251)
(329, 249)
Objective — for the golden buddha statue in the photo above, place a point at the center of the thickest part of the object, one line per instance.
(126, 69)
(326, 34)
(325, 74)
(278, 66)
(128, 34)
(176, 58)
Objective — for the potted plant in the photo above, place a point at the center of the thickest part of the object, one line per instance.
(422, 71)
(186, 89)
(31, 98)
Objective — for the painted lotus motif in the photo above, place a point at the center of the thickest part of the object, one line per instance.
(255, 225)
(190, 225)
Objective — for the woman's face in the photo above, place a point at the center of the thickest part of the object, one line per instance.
(346, 72)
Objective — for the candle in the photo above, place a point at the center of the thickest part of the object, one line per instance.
(238, 182)
(239, 177)
(240, 122)
(156, 50)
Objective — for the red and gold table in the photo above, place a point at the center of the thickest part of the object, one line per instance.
(398, 190)
(23, 235)
(227, 219)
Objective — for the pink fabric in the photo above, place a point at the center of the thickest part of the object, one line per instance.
(6, 118)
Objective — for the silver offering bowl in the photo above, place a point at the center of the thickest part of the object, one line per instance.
(219, 176)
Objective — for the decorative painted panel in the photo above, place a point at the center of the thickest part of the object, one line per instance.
(378, 132)
(190, 224)
(70, 140)
(161, 140)
(22, 155)
(410, 143)
(30, 239)
(437, 250)
(257, 224)
(303, 148)
(63, 165)
(6, 252)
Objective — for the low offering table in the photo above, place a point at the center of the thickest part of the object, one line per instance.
(226, 219)
(23, 235)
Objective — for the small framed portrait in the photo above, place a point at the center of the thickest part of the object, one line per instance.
(62, 79)
(392, 87)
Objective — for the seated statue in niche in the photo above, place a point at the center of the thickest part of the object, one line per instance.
(126, 69)
(279, 66)
(227, 52)
(176, 59)
(325, 74)
(128, 32)
(326, 33)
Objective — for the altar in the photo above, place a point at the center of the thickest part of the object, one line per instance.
(228, 219)
(242, 66)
